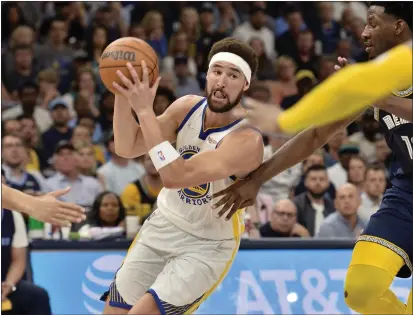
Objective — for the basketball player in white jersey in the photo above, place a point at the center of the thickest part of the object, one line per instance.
(183, 251)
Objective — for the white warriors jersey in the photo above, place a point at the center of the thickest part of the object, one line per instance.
(191, 208)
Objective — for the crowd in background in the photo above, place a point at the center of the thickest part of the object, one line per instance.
(57, 115)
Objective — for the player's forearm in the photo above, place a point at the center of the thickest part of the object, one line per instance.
(401, 107)
(346, 93)
(13, 199)
(298, 149)
(129, 141)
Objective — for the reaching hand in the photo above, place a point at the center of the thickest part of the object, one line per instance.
(240, 195)
(342, 62)
(48, 208)
(261, 115)
(139, 94)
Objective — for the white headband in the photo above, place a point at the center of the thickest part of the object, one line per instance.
(235, 60)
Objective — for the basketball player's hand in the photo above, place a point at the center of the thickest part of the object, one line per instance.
(342, 62)
(240, 195)
(261, 115)
(48, 208)
(139, 94)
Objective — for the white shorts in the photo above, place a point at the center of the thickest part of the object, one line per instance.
(179, 269)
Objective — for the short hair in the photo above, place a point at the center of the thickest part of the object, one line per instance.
(375, 168)
(291, 8)
(398, 9)
(279, 60)
(315, 168)
(25, 116)
(358, 157)
(237, 47)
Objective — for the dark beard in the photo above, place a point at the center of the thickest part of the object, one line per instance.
(317, 195)
(230, 105)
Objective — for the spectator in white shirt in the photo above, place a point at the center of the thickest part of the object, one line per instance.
(119, 172)
(374, 187)
(255, 27)
(338, 172)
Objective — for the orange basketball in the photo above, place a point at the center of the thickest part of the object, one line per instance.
(122, 51)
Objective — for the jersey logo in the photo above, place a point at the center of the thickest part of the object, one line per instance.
(195, 192)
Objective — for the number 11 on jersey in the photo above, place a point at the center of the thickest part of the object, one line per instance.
(409, 145)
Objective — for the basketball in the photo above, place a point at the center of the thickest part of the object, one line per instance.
(118, 53)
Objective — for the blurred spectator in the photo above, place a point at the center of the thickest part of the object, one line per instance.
(24, 70)
(13, 164)
(11, 126)
(87, 163)
(374, 187)
(345, 222)
(331, 157)
(57, 52)
(107, 106)
(330, 28)
(343, 50)
(287, 43)
(357, 42)
(163, 99)
(60, 129)
(365, 138)
(305, 81)
(265, 69)
(226, 17)
(356, 172)
(259, 90)
(209, 34)
(153, 26)
(31, 137)
(358, 7)
(11, 17)
(255, 27)
(314, 159)
(285, 83)
(84, 189)
(107, 211)
(95, 45)
(312, 205)
(338, 172)
(25, 297)
(186, 84)
(82, 137)
(28, 96)
(306, 58)
(383, 154)
(179, 46)
(283, 222)
(140, 196)
(136, 30)
(118, 172)
(282, 185)
(326, 67)
(73, 13)
(109, 16)
(189, 24)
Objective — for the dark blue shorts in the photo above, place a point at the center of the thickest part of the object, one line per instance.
(392, 226)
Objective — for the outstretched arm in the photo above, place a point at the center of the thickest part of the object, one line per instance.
(45, 208)
(350, 90)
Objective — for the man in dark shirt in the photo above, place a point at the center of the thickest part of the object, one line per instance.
(283, 221)
(60, 129)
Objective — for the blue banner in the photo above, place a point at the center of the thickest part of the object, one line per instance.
(259, 282)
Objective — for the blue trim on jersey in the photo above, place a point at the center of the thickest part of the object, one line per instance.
(203, 134)
(193, 109)
(233, 177)
(158, 301)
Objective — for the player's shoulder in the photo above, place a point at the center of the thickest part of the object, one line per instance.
(246, 134)
(183, 105)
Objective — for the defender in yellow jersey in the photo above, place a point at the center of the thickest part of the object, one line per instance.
(183, 250)
(385, 249)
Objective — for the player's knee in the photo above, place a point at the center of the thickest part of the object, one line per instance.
(364, 284)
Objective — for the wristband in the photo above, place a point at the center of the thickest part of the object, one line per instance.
(163, 154)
